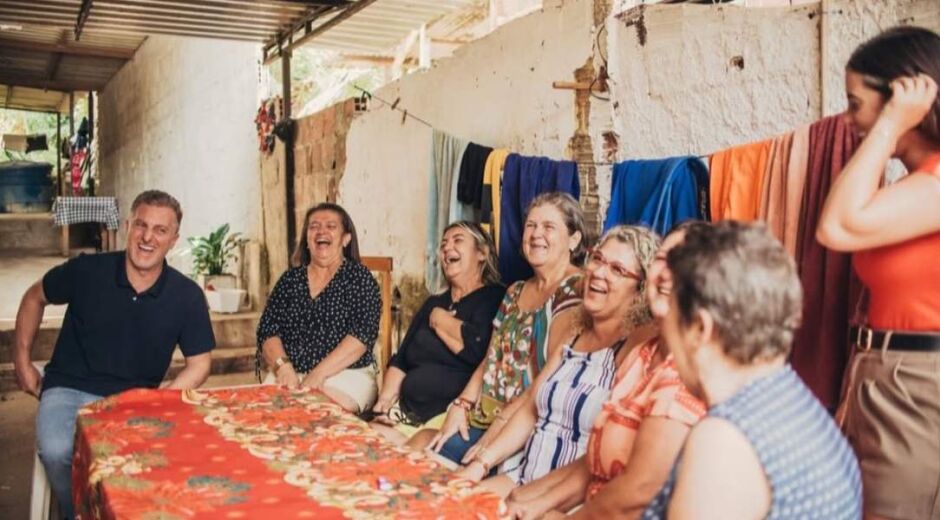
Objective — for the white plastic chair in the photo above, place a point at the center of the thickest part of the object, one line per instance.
(40, 499)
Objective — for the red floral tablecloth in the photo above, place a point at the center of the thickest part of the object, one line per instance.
(253, 452)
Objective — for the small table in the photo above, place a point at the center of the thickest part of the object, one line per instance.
(75, 210)
(253, 452)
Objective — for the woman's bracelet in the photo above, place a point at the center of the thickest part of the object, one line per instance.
(479, 458)
(466, 404)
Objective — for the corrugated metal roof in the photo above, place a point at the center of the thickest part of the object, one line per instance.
(75, 45)
(376, 29)
(24, 98)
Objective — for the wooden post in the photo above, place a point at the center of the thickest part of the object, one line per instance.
(289, 156)
(580, 147)
(64, 240)
(91, 136)
(58, 153)
(67, 187)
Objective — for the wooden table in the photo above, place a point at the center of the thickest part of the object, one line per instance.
(253, 452)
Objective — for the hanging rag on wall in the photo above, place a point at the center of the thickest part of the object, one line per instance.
(820, 348)
(446, 151)
(492, 187)
(736, 177)
(658, 193)
(524, 178)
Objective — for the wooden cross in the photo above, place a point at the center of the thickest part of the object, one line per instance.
(586, 81)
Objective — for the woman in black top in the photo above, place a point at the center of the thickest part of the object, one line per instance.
(322, 318)
(447, 338)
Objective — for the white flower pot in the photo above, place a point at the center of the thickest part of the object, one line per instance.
(226, 300)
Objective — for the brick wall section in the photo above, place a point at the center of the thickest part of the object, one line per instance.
(320, 157)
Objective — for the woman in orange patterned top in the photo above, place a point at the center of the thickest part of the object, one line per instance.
(891, 406)
(636, 436)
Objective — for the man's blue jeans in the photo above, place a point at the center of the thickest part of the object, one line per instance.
(55, 435)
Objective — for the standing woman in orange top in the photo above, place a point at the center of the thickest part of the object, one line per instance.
(891, 406)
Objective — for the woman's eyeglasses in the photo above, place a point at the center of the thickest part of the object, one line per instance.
(619, 270)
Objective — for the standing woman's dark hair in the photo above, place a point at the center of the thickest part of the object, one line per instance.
(301, 254)
(890, 409)
(901, 52)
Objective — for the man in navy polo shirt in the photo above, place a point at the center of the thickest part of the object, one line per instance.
(126, 313)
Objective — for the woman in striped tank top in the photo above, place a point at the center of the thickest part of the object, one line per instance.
(553, 426)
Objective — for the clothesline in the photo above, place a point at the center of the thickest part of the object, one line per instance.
(406, 114)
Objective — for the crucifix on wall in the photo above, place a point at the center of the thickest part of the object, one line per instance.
(580, 148)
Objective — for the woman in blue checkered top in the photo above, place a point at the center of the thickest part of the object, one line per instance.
(766, 448)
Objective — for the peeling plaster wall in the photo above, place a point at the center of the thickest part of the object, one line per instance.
(496, 91)
(685, 79)
(693, 79)
(850, 22)
(178, 117)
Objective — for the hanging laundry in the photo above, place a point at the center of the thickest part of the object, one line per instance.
(445, 160)
(458, 209)
(470, 181)
(76, 166)
(524, 178)
(36, 143)
(492, 184)
(820, 348)
(14, 143)
(736, 175)
(657, 193)
(81, 137)
(782, 191)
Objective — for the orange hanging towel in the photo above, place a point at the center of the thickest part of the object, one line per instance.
(782, 190)
(737, 176)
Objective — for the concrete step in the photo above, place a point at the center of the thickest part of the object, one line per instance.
(224, 362)
(231, 331)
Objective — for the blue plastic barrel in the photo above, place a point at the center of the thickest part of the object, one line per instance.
(25, 187)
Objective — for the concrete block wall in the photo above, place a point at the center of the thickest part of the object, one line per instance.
(179, 117)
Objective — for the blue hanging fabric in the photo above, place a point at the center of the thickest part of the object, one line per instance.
(659, 194)
(524, 178)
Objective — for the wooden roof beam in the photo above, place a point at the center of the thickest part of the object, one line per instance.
(60, 48)
(83, 14)
(39, 83)
(287, 42)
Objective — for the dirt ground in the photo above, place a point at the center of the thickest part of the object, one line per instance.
(18, 439)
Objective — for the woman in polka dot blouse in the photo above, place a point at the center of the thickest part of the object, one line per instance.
(322, 319)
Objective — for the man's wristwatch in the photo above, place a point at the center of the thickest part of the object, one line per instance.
(279, 362)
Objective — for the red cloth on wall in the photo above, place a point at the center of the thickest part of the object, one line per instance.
(821, 349)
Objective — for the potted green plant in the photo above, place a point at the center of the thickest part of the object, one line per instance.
(211, 255)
